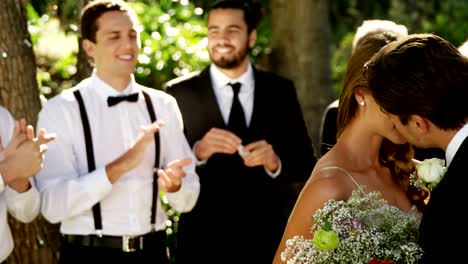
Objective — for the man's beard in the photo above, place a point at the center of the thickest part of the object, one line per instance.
(225, 62)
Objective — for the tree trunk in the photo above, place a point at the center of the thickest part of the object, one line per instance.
(38, 241)
(300, 41)
(83, 66)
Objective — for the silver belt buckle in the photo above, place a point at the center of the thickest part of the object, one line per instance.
(132, 243)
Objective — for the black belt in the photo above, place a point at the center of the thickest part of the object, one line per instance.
(126, 243)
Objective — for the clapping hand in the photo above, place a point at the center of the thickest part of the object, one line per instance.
(144, 138)
(23, 156)
(135, 155)
(170, 179)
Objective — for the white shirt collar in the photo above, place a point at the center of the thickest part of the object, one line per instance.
(219, 79)
(455, 144)
(104, 90)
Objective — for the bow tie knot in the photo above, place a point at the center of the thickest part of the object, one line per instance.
(113, 100)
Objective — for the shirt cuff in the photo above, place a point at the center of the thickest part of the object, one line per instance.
(277, 172)
(197, 162)
(15, 195)
(23, 206)
(99, 182)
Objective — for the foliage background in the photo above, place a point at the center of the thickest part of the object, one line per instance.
(173, 38)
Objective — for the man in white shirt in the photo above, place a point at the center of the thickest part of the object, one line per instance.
(99, 179)
(464, 48)
(421, 82)
(20, 160)
(250, 139)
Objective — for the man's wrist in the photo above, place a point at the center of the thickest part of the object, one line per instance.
(20, 185)
(198, 162)
(5, 174)
(274, 173)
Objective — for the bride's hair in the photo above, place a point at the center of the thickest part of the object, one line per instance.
(398, 158)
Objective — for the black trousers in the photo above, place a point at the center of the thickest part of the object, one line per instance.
(154, 252)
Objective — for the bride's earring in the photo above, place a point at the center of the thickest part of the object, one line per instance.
(362, 103)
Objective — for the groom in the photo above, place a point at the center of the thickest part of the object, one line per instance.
(421, 81)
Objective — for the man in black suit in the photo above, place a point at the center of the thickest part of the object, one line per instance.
(328, 128)
(420, 81)
(244, 160)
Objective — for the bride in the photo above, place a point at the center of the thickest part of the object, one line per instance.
(369, 152)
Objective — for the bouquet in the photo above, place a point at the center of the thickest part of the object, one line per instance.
(364, 229)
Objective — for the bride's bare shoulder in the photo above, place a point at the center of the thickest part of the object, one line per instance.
(326, 182)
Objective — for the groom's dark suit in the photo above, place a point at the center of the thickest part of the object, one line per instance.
(240, 214)
(444, 214)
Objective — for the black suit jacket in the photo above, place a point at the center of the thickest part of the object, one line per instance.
(442, 232)
(328, 127)
(238, 203)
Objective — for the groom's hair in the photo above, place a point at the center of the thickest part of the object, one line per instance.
(422, 74)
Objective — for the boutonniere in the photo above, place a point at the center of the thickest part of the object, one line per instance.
(430, 172)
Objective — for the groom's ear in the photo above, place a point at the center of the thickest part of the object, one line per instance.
(420, 123)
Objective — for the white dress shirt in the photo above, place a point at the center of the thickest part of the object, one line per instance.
(23, 206)
(455, 144)
(224, 96)
(69, 191)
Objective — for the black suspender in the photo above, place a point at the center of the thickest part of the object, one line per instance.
(90, 156)
(157, 144)
(92, 165)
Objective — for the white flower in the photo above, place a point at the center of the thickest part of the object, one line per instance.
(431, 171)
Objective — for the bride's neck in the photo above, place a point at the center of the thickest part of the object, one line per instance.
(360, 145)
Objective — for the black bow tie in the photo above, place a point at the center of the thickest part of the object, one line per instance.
(113, 100)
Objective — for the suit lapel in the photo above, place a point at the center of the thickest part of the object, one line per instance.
(451, 179)
(207, 98)
(459, 159)
(258, 100)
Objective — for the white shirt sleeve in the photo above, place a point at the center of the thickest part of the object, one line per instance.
(23, 206)
(7, 125)
(60, 177)
(2, 184)
(177, 147)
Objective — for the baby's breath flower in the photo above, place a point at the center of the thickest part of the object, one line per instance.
(367, 228)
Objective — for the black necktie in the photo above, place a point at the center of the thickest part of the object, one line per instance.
(113, 100)
(236, 121)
